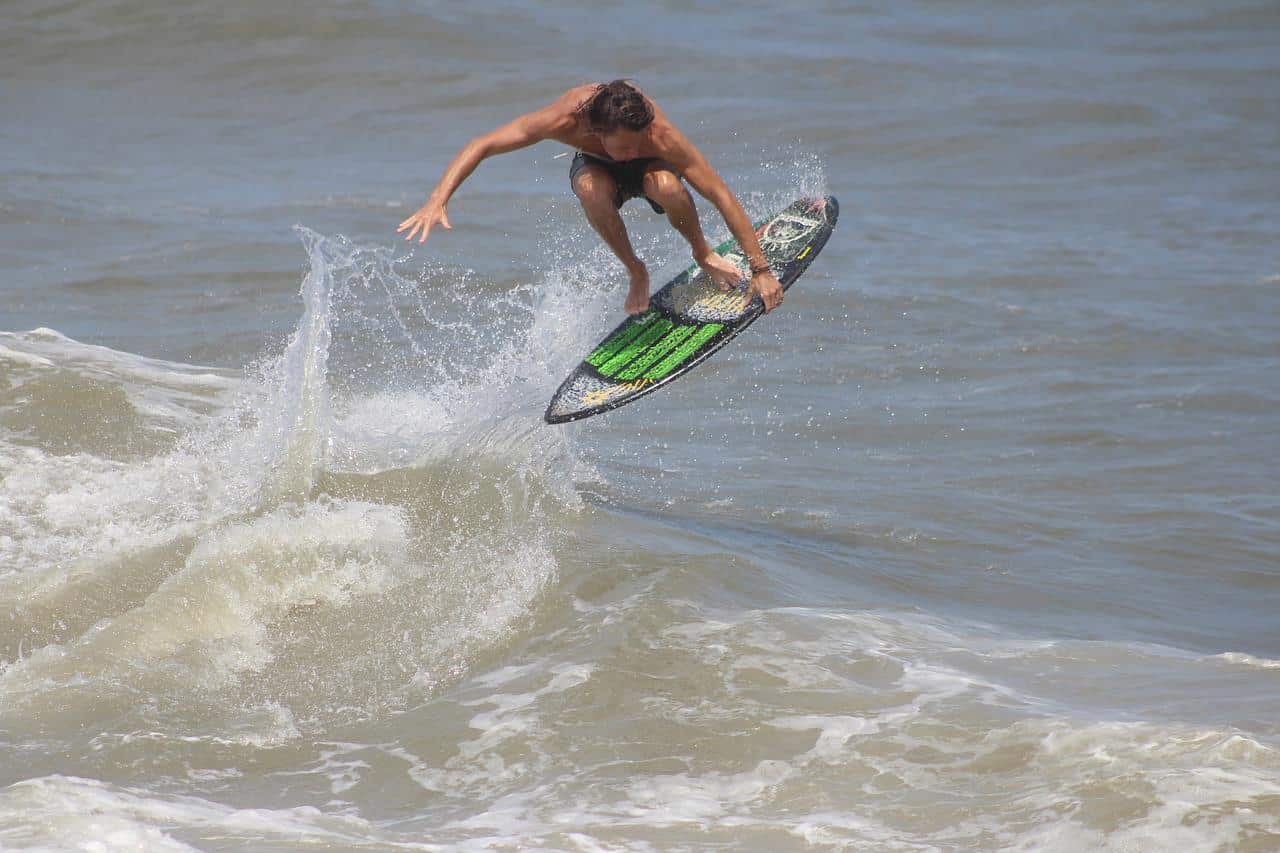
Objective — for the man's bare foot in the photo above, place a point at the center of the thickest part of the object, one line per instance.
(723, 274)
(638, 295)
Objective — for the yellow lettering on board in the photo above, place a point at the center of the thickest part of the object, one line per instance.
(612, 392)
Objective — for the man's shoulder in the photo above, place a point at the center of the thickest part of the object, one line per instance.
(583, 89)
(667, 138)
(560, 117)
(576, 96)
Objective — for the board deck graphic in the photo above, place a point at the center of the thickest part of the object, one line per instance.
(689, 318)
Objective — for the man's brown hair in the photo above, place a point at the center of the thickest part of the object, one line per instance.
(616, 106)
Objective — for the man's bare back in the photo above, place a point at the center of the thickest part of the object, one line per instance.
(630, 149)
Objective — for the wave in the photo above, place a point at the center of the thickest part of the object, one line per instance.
(347, 522)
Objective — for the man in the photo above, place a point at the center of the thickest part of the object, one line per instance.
(626, 147)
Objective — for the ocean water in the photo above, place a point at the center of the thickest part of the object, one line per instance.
(973, 545)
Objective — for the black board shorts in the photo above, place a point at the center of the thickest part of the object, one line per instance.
(628, 177)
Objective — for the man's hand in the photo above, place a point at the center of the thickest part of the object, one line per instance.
(426, 217)
(520, 133)
(765, 285)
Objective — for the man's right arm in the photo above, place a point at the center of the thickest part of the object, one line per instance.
(520, 133)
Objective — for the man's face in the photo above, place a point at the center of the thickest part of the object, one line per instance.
(623, 144)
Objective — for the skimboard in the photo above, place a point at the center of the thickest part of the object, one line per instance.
(690, 318)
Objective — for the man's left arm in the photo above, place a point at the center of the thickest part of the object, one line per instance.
(698, 172)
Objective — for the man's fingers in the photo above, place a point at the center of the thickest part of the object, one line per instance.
(419, 225)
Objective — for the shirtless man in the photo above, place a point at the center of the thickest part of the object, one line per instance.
(626, 147)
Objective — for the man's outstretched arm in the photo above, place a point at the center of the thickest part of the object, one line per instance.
(698, 172)
(520, 133)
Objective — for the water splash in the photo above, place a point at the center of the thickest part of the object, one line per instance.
(294, 427)
(391, 451)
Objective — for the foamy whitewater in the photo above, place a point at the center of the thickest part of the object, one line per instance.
(971, 545)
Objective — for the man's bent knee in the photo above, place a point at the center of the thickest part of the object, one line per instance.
(663, 186)
(594, 187)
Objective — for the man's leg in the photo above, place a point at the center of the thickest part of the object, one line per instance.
(596, 189)
(665, 187)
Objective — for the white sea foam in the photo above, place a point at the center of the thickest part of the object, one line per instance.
(478, 769)
(177, 572)
(66, 812)
(1242, 659)
(211, 616)
(22, 359)
(838, 754)
(170, 394)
